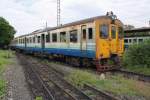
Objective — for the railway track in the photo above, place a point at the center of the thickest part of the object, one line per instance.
(55, 85)
(92, 92)
(37, 86)
(133, 75)
(98, 94)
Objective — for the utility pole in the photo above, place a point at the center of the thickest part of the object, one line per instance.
(58, 13)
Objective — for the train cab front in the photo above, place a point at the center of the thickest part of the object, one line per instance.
(109, 42)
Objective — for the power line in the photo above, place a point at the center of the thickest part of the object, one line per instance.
(58, 13)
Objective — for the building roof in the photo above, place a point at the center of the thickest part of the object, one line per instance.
(143, 29)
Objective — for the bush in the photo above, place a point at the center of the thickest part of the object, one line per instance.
(138, 55)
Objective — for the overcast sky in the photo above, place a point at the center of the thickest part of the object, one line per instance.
(29, 15)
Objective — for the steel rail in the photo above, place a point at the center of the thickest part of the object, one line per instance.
(129, 74)
(100, 94)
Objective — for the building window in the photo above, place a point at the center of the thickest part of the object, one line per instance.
(134, 40)
(130, 40)
(104, 31)
(90, 30)
(48, 38)
(54, 37)
(126, 40)
(39, 39)
(140, 40)
(62, 36)
(73, 36)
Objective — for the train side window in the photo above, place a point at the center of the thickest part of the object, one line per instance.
(30, 39)
(26, 40)
(33, 39)
(62, 36)
(84, 34)
(113, 32)
(48, 38)
(54, 37)
(73, 36)
(39, 39)
(23, 40)
(104, 31)
(90, 31)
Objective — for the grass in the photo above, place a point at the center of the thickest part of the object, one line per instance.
(4, 60)
(38, 98)
(139, 69)
(115, 84)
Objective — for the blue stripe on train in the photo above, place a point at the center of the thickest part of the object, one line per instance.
(68, 52)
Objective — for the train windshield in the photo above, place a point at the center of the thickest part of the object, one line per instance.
(104, 31)
(121, 32)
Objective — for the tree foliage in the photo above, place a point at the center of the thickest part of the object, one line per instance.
(6, 32)
(138, 54)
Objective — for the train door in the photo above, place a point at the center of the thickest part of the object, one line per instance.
(113, 39)
(102, 40)
(42, 41)
(83, 38)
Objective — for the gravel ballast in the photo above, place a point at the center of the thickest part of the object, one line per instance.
(17, 88)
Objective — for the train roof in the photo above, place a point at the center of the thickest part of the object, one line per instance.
(66, 25)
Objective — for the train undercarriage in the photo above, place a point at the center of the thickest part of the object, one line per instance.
(100, 65)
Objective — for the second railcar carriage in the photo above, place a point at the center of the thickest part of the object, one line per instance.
(91, 41)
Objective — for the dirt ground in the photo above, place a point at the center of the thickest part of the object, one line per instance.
(17, 88)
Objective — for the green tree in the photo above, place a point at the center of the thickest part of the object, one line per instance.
(138, 55)
(6, 32)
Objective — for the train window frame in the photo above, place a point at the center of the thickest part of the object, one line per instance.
(90, 33)
(73, 36)
(63, 37)
(54, 37)
(48, 38)
(101, 35)
(113, 32)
